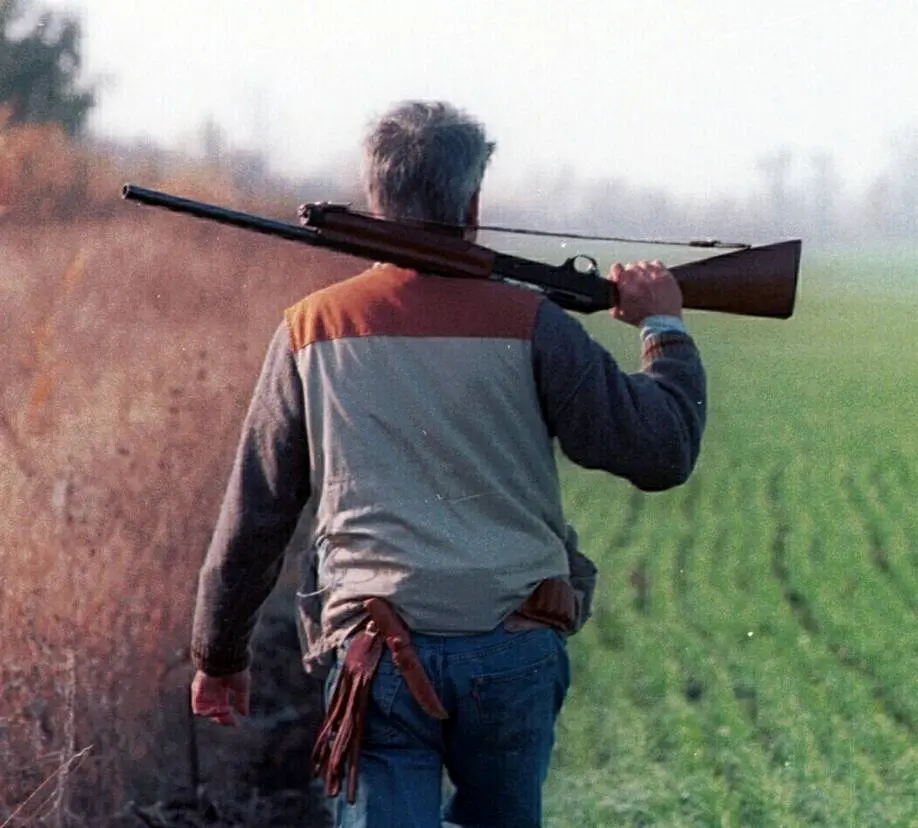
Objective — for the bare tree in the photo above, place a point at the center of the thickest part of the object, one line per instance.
(904, 175)
(823, 201)
(775, 168)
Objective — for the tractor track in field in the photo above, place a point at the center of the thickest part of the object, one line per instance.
(686, 542)
(889, 705)
(802, 611)
(607, 623)
(870, 520)
(897, 466)
(640, 577)
(625, 533)
(681, 561)
(901, 467)
(794, 597)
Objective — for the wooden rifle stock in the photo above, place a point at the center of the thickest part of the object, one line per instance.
(754, 281)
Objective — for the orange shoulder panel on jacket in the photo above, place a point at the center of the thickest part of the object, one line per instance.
(391, 301)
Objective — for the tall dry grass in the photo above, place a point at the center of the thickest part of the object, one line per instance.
(131, 342)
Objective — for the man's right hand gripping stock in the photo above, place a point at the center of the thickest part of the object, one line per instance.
(645, 289)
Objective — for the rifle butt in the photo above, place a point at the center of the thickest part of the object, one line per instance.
(756, 281)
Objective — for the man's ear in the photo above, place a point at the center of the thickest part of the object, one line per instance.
(472, 214)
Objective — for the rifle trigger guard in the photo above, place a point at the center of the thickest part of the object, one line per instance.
(583, 264)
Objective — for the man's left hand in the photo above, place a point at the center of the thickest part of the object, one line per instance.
(220, 698)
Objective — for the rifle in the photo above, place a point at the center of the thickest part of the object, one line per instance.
(751, 281)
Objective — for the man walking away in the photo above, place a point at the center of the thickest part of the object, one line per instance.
(414, 418)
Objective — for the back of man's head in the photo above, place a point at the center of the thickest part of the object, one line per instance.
(425, 161)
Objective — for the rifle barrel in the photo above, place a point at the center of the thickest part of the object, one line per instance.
(754, 281)
(222, 215)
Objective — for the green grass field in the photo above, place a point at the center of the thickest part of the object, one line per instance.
(753, 658)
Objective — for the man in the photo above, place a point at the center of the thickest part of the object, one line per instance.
(413, 418)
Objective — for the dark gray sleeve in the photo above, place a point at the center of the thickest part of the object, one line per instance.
(267, 490)
(644, 426)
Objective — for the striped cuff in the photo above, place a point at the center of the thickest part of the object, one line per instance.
(660, 324)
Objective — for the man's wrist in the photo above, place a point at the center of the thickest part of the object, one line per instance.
(218, 664)
(661, 323)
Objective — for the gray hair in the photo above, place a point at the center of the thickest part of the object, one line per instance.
(425, 161)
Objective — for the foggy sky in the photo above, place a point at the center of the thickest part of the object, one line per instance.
(683, 95)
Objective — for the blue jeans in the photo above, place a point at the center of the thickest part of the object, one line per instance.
(503, 692)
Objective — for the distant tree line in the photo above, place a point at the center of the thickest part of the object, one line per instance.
(803, 196)
(40, 62)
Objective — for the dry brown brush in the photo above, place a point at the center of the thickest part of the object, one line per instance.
(131, 342)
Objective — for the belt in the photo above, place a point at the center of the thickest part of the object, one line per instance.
(341, 733)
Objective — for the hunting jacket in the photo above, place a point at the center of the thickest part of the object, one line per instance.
(410, 421)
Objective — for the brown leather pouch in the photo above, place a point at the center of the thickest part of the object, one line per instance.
(341, 733)
(548, 605)
(552, 603)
